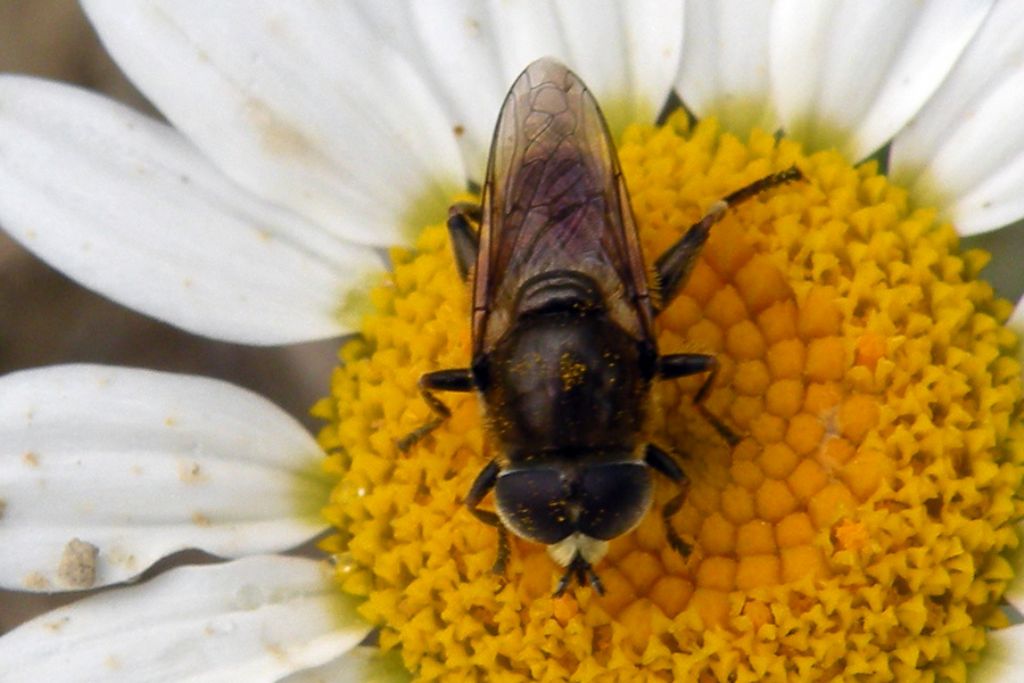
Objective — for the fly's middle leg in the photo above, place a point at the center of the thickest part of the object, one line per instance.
(685, 364)
(460, 379)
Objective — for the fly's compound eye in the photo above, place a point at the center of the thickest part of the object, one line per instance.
(533, 503)
(613, 498)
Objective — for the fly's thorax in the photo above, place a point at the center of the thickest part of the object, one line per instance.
(551, 497)
(564, 376)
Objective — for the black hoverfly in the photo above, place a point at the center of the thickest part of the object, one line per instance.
(563, 346)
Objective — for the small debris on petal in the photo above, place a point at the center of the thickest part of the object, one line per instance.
(31, 459)
(190, 472)
(35, 582)
(77, 567)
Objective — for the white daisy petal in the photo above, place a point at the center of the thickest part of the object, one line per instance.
(127, 207)
(1003, 658)
(303, 105)
(965, 150)
(628, 55)
(724, 71)
(256, 619)
(105, 470)
(359, 665)
(850, 74)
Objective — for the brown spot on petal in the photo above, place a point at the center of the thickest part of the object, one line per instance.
(277, 136)
(119, 557)
(77, 567)
(199, 519)
(190, 472)
(30, 459)
(57, 624)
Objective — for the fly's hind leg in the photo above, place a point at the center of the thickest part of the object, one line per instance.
(660, 461)
(674, 266)
(684, 364)
(482, 485)
(464, 237)
(460, 379)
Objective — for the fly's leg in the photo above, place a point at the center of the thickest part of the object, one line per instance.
(675, 264)
(482, 485)
(660, 461)
(460, 379)
(465, 239)
(686, 364)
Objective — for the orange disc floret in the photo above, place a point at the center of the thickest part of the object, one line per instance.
(858, 528)
(756, 537)
(761, 284)
(819, 314)
(751, 378)
(778, 460)
(744, 342)
(793, 530)
(807, 479)
(786, 359)
(857, 416)
(805, 433)
(870, 348)
(826, 359)
(717, 535)
(718, 573)
(778, 321)
(784, 397)
(775, 500)
(755, 571)
(726, 308)
(865, 472)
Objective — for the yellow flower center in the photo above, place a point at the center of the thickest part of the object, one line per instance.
(858, 528)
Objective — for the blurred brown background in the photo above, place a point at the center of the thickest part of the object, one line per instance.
(47, 319)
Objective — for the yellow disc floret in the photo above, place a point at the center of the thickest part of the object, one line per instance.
(857, 531)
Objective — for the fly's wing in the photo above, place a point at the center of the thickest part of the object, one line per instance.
(554, 199)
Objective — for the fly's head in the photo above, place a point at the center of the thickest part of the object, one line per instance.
(574, 503)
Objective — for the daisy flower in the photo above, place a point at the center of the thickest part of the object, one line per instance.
(861, 527)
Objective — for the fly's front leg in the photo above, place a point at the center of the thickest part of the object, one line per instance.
(482, 485)
(660, 461)
(460, 379)
(674, 266)
(465, 238)
(685, 364)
